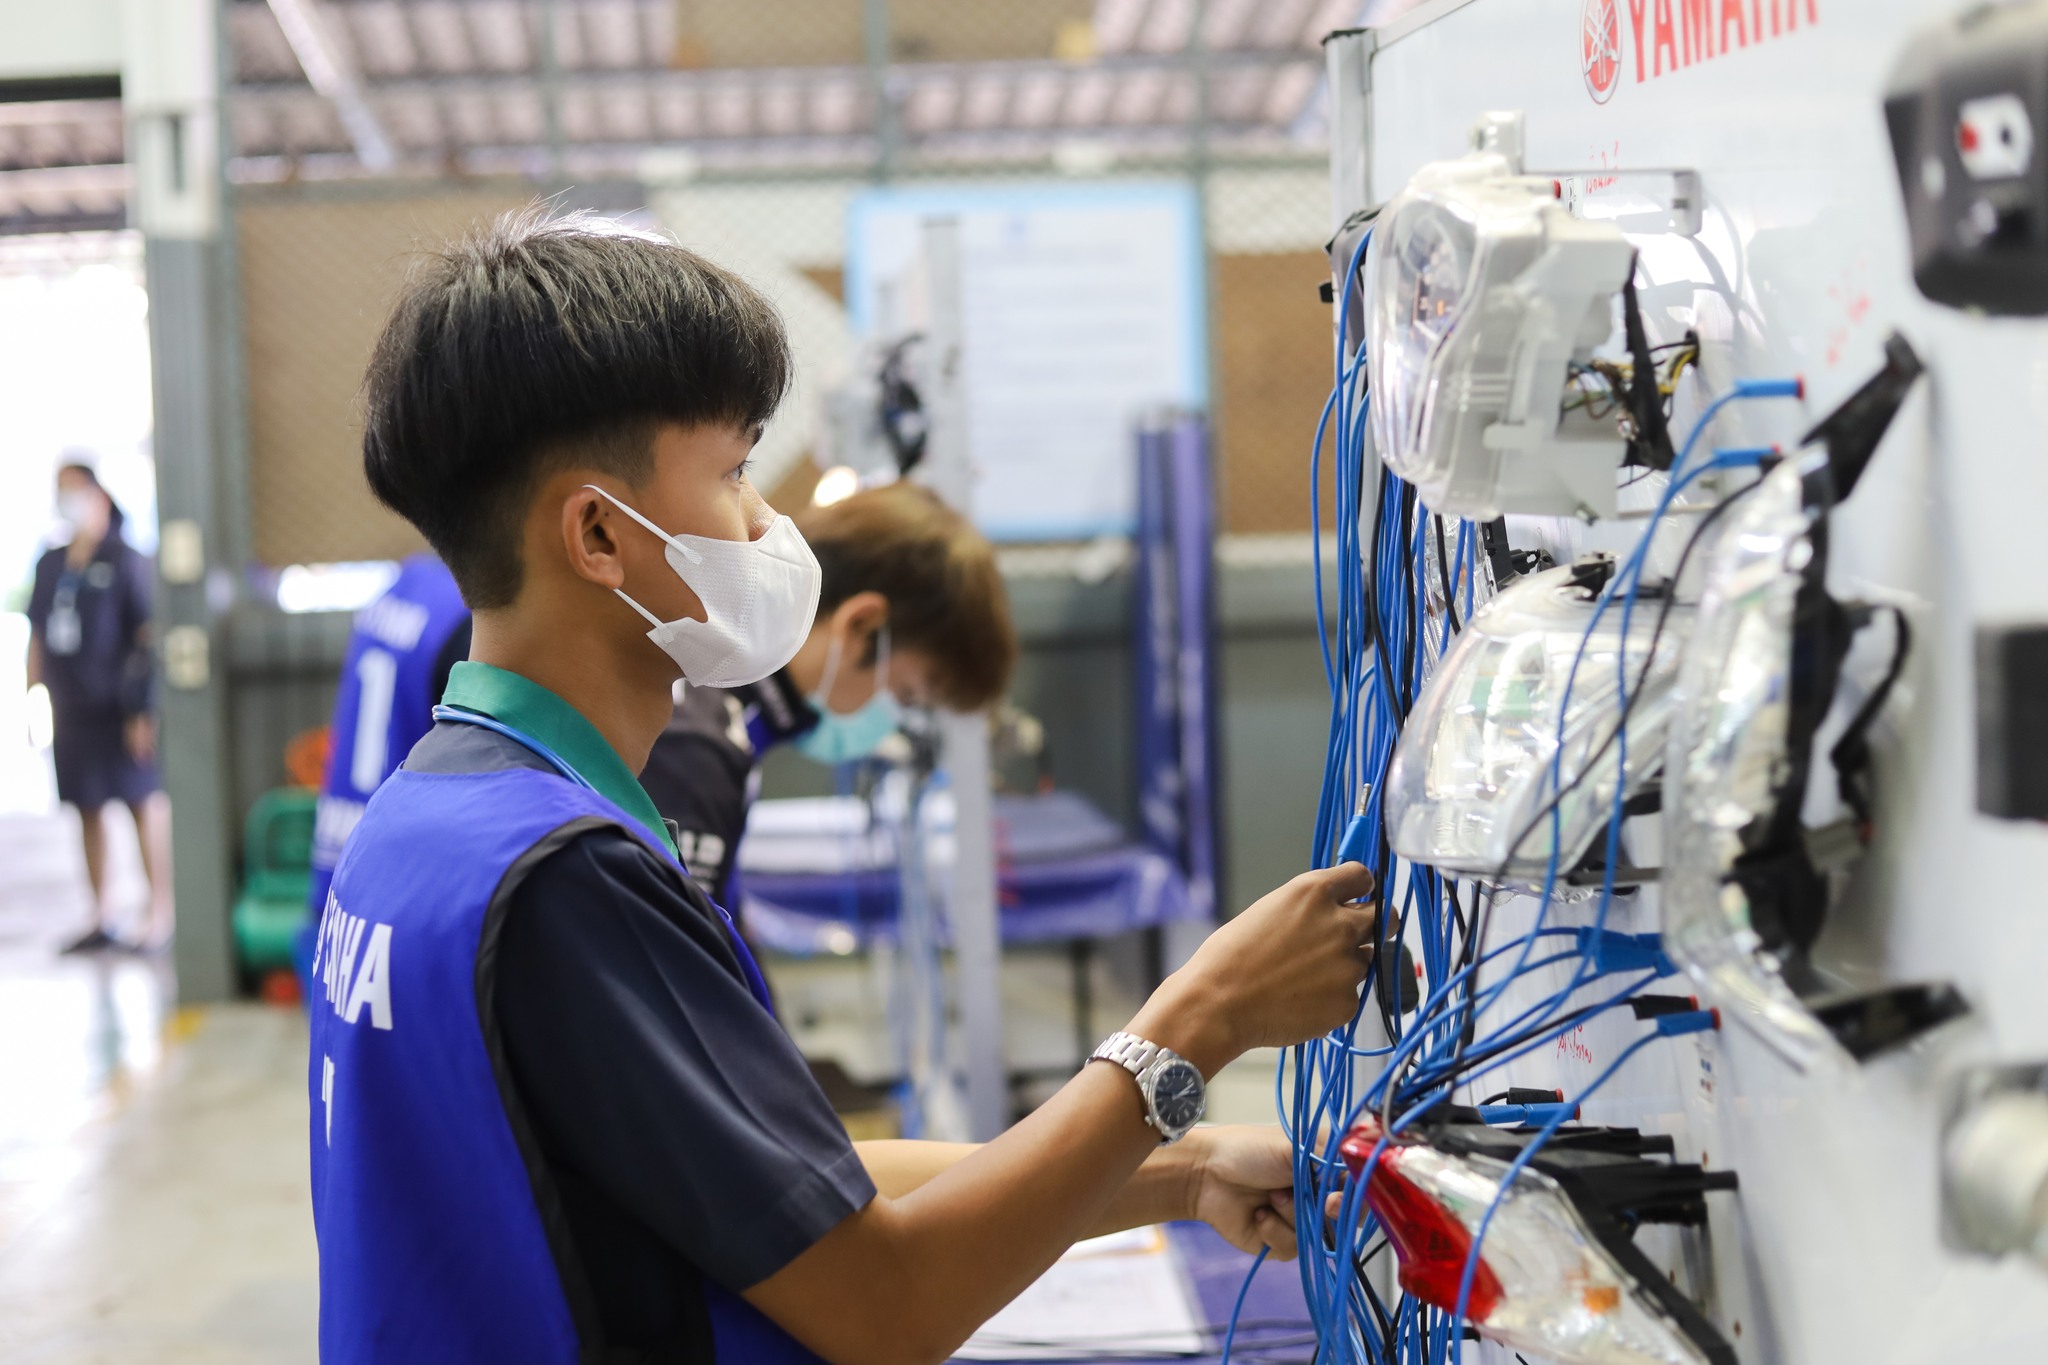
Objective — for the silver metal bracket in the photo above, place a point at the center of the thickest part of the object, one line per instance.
(1504, 132)
(1636, 201)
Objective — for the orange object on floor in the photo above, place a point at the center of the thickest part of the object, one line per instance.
(305, 758)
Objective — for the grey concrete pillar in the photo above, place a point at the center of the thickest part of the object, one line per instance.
(171, 100)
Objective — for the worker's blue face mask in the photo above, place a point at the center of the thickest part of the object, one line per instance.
(841, 739)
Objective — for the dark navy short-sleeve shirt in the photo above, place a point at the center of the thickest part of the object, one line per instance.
(680, 1123)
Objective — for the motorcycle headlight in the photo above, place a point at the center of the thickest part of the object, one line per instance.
(1728, 762)
(1483, 287)
(1479, 759)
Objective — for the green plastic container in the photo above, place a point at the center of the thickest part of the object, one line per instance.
(277, 876)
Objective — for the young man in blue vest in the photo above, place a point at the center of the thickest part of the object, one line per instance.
(401, 649)
(553, 1118)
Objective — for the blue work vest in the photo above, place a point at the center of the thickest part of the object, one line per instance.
(385, 702)
(434, 1248)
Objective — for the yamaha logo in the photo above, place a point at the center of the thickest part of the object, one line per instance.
(1600, 48)
(1669, 36)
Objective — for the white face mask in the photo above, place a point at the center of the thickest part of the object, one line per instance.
(75, 505)
(759, 596)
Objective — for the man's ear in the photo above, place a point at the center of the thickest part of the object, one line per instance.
(863, 614)
(589, 530)
(861, 618)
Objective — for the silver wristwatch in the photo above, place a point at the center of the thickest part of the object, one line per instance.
(1174, 1091)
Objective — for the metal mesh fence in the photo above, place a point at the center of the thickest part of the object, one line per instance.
(318, 276)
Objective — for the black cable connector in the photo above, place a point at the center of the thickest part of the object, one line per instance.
(1519, 1094)
(1657, 1006)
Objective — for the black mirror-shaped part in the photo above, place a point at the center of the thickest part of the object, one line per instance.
(1854, 429)
(1785, 869)
(1965, 108)
(1868, 1022)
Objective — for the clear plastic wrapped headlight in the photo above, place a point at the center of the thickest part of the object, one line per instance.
(1483, 287)
(1729, 761)
(1543, 1282)
(1479, 759)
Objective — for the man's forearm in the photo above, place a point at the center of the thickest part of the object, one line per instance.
(1161, 1190)
(906, 1279)
(898, 1165)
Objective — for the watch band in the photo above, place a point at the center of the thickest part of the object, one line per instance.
(1128, 1051)
(1142, 1059)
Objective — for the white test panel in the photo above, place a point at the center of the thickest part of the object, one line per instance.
(1832, 1252)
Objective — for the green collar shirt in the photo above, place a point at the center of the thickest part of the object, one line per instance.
(539, 714)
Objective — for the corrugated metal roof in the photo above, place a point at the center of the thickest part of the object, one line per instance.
(468, 87)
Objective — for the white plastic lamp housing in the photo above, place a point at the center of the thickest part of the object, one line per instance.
(1727, 760)
(1478, 761)
(1483, 287)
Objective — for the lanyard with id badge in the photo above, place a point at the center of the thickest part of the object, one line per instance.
(64, 632)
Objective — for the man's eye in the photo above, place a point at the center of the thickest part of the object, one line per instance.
(744, 468)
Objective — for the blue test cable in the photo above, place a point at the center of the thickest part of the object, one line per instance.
(1632, 584)
(1627, 584)
(1377, 647)
(1237, 1309)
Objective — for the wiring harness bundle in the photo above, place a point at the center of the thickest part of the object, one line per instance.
(1400, 1133)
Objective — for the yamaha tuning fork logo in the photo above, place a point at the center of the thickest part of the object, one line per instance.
(1600, 48)
(1666, 36)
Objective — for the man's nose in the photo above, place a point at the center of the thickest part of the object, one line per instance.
(760, 516)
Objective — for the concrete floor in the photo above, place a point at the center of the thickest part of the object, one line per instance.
(153, 1201)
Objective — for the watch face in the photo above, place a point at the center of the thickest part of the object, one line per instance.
(1177, 1096)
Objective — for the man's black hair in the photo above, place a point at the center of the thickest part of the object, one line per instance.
(536, 344)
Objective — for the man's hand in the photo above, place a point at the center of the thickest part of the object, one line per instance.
(1286, 970)
(1241, 1183)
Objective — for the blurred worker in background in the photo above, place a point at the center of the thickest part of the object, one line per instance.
(911, 612)
(400, 650)
(89, 644)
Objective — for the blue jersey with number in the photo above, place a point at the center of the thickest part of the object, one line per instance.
(386, 702)
(440, 1228)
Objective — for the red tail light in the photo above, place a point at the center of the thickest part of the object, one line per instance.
(1433, 1246)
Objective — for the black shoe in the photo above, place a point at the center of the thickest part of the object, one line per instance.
(94, 940)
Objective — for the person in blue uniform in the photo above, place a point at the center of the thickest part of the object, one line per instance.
(911, 612)
(553, 1117)
(401, 649)
(89, 644)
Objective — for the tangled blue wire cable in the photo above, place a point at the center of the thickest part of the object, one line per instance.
(1379, 639)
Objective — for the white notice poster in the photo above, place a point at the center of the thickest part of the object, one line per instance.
(1083, 309)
